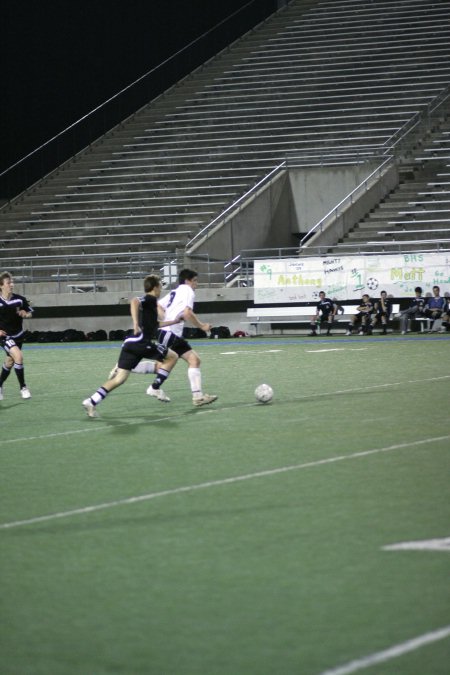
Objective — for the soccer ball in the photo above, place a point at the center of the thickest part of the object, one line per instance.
(264, 393)
(372, 283)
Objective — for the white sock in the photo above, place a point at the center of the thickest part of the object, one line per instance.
(195, 380)
(144, 367)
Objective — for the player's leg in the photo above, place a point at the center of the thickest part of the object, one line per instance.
(6, 371)
(129, 357)
(144, 367)
(102, 392)
(14, 360)
(195, 379)
(313, 324)
(165, 361)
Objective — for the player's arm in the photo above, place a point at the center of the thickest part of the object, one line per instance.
(171, 323)
(189, 315)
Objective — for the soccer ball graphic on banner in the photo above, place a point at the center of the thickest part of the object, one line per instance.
(264, 393)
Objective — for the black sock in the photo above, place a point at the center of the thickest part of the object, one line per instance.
(161, 377)
(4, 374)
(18, 369)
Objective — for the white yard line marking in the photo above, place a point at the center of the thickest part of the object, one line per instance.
(251, 351)
(319, 351)
(105, 427)
(426, 545)
(216, 483)
(391, 653)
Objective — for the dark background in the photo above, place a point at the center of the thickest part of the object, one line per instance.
(60, 59)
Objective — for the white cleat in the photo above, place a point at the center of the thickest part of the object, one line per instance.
(159, 394)
(25, 392)
(204, 399)
(90, 409)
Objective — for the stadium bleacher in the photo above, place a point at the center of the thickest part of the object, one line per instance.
(313, 78)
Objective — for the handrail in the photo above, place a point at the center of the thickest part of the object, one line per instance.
(235, 206)
(262, 14)
(346, 201)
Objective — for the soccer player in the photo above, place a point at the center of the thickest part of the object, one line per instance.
(144, 311)
(415, 309)
(383, 310)
(14, 308)
(325, 313)
(179, 304)
(363, 316)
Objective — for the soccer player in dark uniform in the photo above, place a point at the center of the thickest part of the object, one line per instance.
(14, 308)
(415, 309)
(325, 313)
(363, 316)
(383, 311)
(144, 311)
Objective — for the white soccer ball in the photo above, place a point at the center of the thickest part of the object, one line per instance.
(264, 393)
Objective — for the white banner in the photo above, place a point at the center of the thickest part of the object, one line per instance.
(349, 277)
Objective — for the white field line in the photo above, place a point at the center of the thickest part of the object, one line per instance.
(94, 426)
(216, 483)
(391, 653)
(424, 545)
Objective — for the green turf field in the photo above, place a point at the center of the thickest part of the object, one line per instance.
(235, 539)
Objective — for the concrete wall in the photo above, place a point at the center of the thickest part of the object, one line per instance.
(354, 212)
(265, 221)
(317, 190)
(93, 321)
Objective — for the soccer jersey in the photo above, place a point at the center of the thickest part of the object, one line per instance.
(149, 318)
(10, 321)
(418, 302)
(388, 306)
(325, 306)
(174, 303)
(436, 303)
(366, 307)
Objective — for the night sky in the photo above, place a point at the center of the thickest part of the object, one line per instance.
(60, 59)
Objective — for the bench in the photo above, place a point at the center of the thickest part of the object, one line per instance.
(295, 314)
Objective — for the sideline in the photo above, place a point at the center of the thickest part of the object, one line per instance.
(216, 483)
(391, 653)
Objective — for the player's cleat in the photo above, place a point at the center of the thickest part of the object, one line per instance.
(312, 334)
(349, 332)
(159, 394)
(113, 372)
(25, 392)
(90, 409)
(1, 393)
(204, 399)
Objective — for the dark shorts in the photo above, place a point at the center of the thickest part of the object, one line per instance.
(326, 316)
(136, 348)
(8, 343)
(171, 341)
